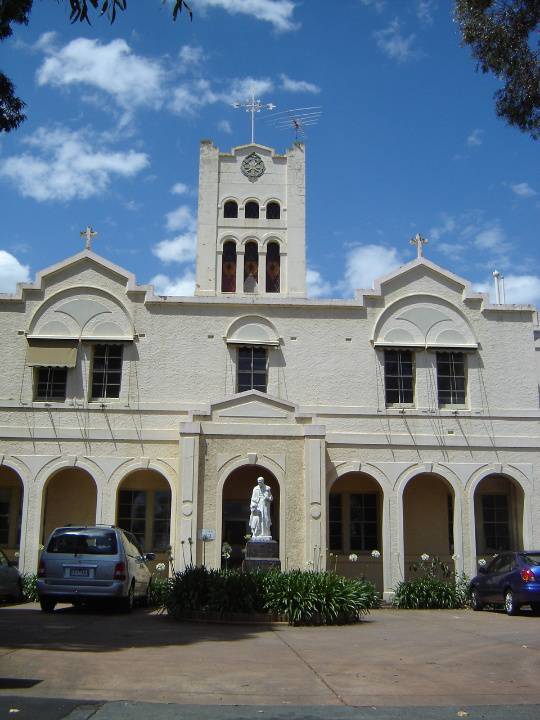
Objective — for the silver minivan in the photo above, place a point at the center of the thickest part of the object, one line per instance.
(90, 563)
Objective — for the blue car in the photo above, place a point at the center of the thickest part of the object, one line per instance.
(511, 579)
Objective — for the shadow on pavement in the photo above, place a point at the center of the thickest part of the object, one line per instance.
(101, 630)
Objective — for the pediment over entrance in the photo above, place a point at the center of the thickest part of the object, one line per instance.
(253, 406)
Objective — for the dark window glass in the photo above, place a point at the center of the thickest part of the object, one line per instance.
(364, 521)
(132, 512)
(451, 378)
(273, 268)
(252, 210)
(5, 502)
(251, 267)
(252, 362)
(228, 267)
(106, 371)
(51, 383)
(496, 522)
(87, 542)
(230, 209)
(162, 519)
(398, 377)
(336, 522)
(273, 211)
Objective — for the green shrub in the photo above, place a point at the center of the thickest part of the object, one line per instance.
(302, 598)
(29, 587)
(159, 589)
(435, 587)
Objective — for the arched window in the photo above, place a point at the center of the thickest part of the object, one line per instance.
(228, 267)
(252, 210)
(273, 268)
(230, 209)
(273, 211)
(251, 268)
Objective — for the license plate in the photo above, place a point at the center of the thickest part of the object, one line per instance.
(79, 572)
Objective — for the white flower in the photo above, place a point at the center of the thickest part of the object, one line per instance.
(309, 563)
(424, 557)
(353, 557)
(482, 562)
(160, 567)
(455, 557)
(375, 554)
(16, 555)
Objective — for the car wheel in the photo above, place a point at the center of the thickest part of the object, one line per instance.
(510, 605)
(128, 602)
(476, 602)
(535, 607)
(47, 605)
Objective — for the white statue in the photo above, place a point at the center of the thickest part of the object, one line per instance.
(259, 520)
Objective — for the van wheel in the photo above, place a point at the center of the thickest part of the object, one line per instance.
(126, 604)
(47, 605)
(145, 599)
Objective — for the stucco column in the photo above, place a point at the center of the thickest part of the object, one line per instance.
(30, 528)
(398, 546)
(458, 533)
(387, 554)
(262, 271)
(189, 484)
(315, 484)
(240, 270)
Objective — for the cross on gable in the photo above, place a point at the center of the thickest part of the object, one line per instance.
(89, 233)
(419, 241)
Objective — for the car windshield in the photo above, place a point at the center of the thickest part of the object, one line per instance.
(531, 558)
(83, 542)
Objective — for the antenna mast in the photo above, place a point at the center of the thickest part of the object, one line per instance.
(296, 119)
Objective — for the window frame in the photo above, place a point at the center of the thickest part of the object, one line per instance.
(52, 369)
(227, 204)
(452, 378)
(251, 349)
(272, 204)
(506, 522)
(400, 402)
(105, 383)
(252, 203)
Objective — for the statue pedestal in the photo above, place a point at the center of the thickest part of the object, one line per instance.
(262, 554)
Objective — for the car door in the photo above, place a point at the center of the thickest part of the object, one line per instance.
(140, 571)
(497, 577)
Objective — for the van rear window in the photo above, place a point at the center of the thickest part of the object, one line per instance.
(83, 543)
(531, 558)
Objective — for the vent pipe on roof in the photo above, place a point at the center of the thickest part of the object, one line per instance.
(500, 295)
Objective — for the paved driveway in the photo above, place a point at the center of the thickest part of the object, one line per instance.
(395, 658)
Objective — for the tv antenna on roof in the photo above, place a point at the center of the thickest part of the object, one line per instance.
(297, 119)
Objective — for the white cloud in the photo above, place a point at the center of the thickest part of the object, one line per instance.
(190, 97)
(277, 12)
(366, 263)
(316, 286)
(393, 43)
(179, 286)
(448, 225)
(492, 238)
(243, 88)
(377, 5)
(179, 249)
(191, 55)
(11, 272)
(475, 138)
(523, 190)
(425, 10)
(225, 126)
(290, 85)
(68, 164)
(179, 189)
(181, 219)
(113, 68)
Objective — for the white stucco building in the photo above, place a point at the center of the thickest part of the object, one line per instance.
(405, 420)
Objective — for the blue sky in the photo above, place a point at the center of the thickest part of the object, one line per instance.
(408, 141)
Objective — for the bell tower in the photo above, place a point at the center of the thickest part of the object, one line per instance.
(251, 222)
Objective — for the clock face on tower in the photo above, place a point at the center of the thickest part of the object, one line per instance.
(253, 166)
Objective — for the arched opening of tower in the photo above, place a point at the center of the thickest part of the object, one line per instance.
(251, 268)
(273, 268)
(228, 267)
